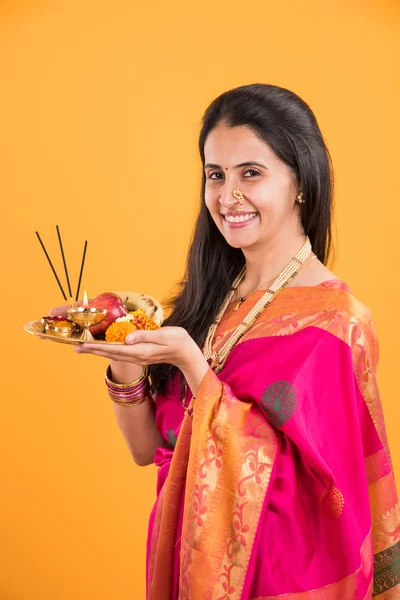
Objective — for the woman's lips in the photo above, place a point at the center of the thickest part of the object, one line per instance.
(244, 223)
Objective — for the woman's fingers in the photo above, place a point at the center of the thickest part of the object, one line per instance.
(62, 311)
(162, 336)
(109, 349)
(59, 311)
(143, 347)
(139, 354)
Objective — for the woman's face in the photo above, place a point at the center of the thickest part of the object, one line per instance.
(237, 158)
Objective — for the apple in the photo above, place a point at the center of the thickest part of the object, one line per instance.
(116, 308)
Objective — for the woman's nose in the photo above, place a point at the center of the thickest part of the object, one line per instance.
(226, 198)
(230, 197)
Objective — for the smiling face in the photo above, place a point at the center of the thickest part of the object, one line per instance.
(236, 158)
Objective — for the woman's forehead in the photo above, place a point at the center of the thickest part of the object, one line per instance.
(228, 147)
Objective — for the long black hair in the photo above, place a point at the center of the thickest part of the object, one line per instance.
(287, 124)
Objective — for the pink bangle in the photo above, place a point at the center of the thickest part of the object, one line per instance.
(128, 394)
(133, 391)
(129, 400)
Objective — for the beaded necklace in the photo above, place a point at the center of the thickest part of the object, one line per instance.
(239, 301)
(217, 359)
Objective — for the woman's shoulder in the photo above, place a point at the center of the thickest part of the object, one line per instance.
(327, 309)
(321, 288)
(329, 294)
(329, 305)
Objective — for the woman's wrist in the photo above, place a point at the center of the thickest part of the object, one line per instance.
(195, 370)
(128, 394)
(122, 372)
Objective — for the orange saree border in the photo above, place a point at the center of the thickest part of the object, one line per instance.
(392, 594)
(385, 513)
(376, 466)
(229, 470)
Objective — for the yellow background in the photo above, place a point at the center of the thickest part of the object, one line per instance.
(100, 110)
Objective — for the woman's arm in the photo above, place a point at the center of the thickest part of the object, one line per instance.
(169, 344)
(137, 423)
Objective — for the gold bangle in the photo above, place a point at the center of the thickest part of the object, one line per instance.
(135, 403)
(123, 386)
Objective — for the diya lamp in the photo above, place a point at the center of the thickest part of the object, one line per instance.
(86, 317)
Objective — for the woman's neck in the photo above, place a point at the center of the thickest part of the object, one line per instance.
(264, 265)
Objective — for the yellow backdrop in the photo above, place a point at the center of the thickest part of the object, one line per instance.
(100, 109)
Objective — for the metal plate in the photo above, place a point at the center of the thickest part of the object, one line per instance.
(132, 301)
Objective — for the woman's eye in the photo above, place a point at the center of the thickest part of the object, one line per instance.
(251, 171)
(220, 175)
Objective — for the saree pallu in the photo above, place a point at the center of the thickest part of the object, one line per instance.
(281, 484)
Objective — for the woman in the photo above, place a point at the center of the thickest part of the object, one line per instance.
(275, 476)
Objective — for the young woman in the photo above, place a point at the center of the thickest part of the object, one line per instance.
(275, 477)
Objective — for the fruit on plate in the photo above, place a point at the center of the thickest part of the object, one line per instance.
(115, 306)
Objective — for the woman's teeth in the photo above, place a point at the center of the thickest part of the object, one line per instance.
(241, 218)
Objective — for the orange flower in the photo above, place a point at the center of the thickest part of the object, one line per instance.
(120, 328)
(143, 321)
(117, 332)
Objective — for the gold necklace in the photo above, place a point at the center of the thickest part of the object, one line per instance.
(241, 299)
(217, 359)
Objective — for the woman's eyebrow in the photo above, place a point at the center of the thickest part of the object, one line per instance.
(251, 163)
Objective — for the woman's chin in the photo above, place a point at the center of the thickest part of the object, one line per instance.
(236, 242)
(240, 237)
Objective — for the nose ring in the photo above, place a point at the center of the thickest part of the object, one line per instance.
(238, 195)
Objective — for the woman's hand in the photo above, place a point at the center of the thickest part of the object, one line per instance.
(62, 311)
(166, 345)
(121, 372)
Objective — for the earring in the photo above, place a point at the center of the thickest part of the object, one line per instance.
(300, 198)
(238, 195)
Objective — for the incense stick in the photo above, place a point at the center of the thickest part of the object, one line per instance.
(64, 261)
(51, 265)
(80, 274)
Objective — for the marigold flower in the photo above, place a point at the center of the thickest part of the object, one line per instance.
(117, 332)
(134, 320)
(142, 320)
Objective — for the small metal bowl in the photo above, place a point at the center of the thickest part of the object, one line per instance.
(52, 328)
(49, 318)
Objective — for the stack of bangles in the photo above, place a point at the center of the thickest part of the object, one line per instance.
(128, 394)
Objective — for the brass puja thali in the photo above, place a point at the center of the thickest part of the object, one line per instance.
(106, 319)
(143, 311)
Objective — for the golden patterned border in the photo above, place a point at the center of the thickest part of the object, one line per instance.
(229, 471)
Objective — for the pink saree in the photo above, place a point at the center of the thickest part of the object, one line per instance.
(281, 484)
